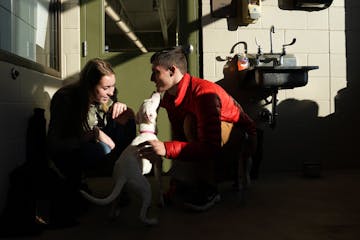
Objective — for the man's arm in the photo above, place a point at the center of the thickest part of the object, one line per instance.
(207, 108)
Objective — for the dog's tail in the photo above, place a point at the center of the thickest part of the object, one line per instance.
(104, 201)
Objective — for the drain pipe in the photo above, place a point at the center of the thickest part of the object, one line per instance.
(272, 30)
(189, 29)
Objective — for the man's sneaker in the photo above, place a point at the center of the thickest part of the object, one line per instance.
(204, 202)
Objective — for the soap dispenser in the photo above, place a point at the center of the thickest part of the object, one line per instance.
(242, 62)
(254, 8)
(250, 11)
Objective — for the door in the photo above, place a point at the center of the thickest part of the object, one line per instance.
(132, 67)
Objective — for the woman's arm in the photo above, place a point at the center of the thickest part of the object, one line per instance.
(104, 138)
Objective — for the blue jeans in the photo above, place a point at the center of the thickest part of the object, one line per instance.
(94, 156)
(93, 153)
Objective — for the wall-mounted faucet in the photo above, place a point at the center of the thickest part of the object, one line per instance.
(259, 52)
(291, 60)
(272, 30)
(285, 45)
(245, 47)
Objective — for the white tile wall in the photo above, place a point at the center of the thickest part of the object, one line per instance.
(336, 84)
(340, 3)
(324, 108)
(320, 41)
(217, 40)
(321, 60)
(72, 64)
(31, 89)
(283, 19)
(337, 42)
(18, 98)
(337, 65)
(317, 20)
(70, 38)
(337, 18)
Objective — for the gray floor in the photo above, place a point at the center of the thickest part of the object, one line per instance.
(278, 206)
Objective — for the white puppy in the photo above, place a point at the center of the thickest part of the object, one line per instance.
(130, 168)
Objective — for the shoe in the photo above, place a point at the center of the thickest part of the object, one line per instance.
(203, 202)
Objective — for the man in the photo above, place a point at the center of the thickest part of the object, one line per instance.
(202, 117)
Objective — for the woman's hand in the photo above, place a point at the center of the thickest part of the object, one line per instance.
(117, 109)
(106, 139)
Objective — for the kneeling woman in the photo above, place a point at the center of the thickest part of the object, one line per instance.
(87, 124)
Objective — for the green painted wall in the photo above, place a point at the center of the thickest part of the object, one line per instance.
(189, 32)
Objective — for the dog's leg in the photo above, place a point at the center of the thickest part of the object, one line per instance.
(115, 211)
(143, 188)
(158, 178)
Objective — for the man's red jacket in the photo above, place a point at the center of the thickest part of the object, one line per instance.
(209, 104)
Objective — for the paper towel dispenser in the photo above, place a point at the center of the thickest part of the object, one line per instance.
(223, 8)
(304, 5)
(239, 12)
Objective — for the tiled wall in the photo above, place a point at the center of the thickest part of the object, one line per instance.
(70, 40)
(320, 41)
(316, 122)
(33, 89)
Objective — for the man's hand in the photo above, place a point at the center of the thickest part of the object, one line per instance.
(151, 149)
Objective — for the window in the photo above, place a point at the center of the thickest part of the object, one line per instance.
(140, 26)
(29, 33)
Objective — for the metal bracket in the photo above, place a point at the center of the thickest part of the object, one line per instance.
(84, 48)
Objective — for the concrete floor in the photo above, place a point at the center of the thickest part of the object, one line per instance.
(278, 206)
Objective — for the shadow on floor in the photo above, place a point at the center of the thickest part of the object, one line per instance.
(281, 206)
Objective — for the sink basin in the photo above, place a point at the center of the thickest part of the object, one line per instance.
(281, 77)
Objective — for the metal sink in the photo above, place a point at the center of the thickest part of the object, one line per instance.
(280, 77)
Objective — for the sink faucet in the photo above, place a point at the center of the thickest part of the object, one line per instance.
(285, 45)
(272, 30)
(283, 53)
(245, 47)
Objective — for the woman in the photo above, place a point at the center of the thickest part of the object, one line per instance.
(87, 124)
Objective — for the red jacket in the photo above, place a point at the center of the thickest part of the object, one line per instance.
(209, 104)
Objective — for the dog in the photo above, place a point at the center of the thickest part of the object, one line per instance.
(130, 167)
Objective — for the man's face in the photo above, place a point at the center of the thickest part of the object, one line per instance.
(162, 77)
(104, 89)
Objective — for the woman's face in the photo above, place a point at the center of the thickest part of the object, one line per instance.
(104, 89)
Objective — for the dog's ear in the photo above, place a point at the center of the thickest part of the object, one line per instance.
(155, 97)
(149, 116)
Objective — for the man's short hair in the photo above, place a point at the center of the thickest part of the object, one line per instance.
(169, 57)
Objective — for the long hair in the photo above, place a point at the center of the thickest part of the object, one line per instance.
(90, 76)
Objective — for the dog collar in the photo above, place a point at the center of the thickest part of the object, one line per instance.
(148, 131)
